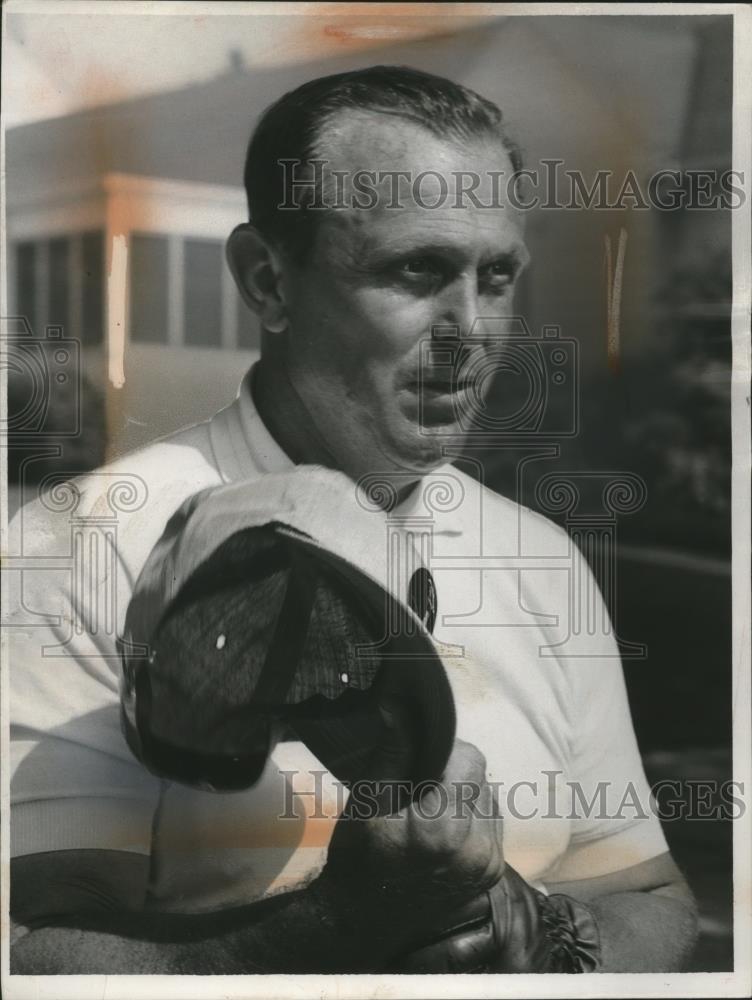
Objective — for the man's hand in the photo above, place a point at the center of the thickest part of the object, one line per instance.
(413, 867)
(387, 882)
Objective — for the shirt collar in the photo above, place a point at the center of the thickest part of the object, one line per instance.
(243, 447)
(265, 452)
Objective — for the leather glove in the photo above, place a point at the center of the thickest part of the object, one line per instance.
(511, 928)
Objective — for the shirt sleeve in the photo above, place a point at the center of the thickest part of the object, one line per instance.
(614, 824)
(74, 783)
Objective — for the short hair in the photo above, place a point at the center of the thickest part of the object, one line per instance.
(293, 127)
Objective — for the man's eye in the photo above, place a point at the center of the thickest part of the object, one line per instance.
(419, 266)
(498, 276)
(501, 270)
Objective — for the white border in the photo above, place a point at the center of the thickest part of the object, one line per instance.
(219, 8)
(738, 983)
(741, 249)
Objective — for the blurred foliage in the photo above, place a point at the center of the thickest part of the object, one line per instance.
(77, 401)
(680, 438)
(665, 415)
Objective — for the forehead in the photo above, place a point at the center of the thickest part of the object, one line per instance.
(370, 140)
(425, 186)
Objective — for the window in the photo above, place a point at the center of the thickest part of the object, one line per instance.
(49, 292)
(59, 284)
(92, 304)
(148, 288)
(60, 281)
(202, 292)
(26, 283)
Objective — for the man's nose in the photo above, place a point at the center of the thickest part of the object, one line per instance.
(459, 308)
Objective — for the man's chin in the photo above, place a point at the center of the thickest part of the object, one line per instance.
(427, 448)
(405, 450)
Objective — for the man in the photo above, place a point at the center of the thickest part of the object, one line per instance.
(348, 287)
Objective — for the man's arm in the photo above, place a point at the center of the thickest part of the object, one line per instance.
(386, 878)
(645, 912)
(75, 918)
(646, 916)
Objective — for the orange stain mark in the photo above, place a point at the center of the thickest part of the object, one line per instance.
(117, 283)
(365, 35)
(362, 26)
(386, 11)
(275, 834)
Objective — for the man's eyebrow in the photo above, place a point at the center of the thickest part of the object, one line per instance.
(517, 254)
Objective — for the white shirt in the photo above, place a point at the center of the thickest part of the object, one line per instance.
(543, 720)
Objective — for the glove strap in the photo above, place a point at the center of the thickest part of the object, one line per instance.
(512, 928)
(539, 933)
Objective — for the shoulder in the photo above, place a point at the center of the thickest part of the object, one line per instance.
(135, 492)
(176, 464)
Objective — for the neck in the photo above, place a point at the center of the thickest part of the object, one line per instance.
(290, 423)
(287, 418)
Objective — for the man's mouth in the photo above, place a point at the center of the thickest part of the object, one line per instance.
(438, 399)
(431, 387)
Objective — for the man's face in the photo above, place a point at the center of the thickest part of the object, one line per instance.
(378, 281)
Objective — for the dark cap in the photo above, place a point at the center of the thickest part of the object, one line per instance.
(280, 607)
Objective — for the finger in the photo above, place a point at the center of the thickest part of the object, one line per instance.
(466, 762)
(395, 753)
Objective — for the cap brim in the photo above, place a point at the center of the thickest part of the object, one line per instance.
(351, 735)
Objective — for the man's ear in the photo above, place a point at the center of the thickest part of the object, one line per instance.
(257, 270)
